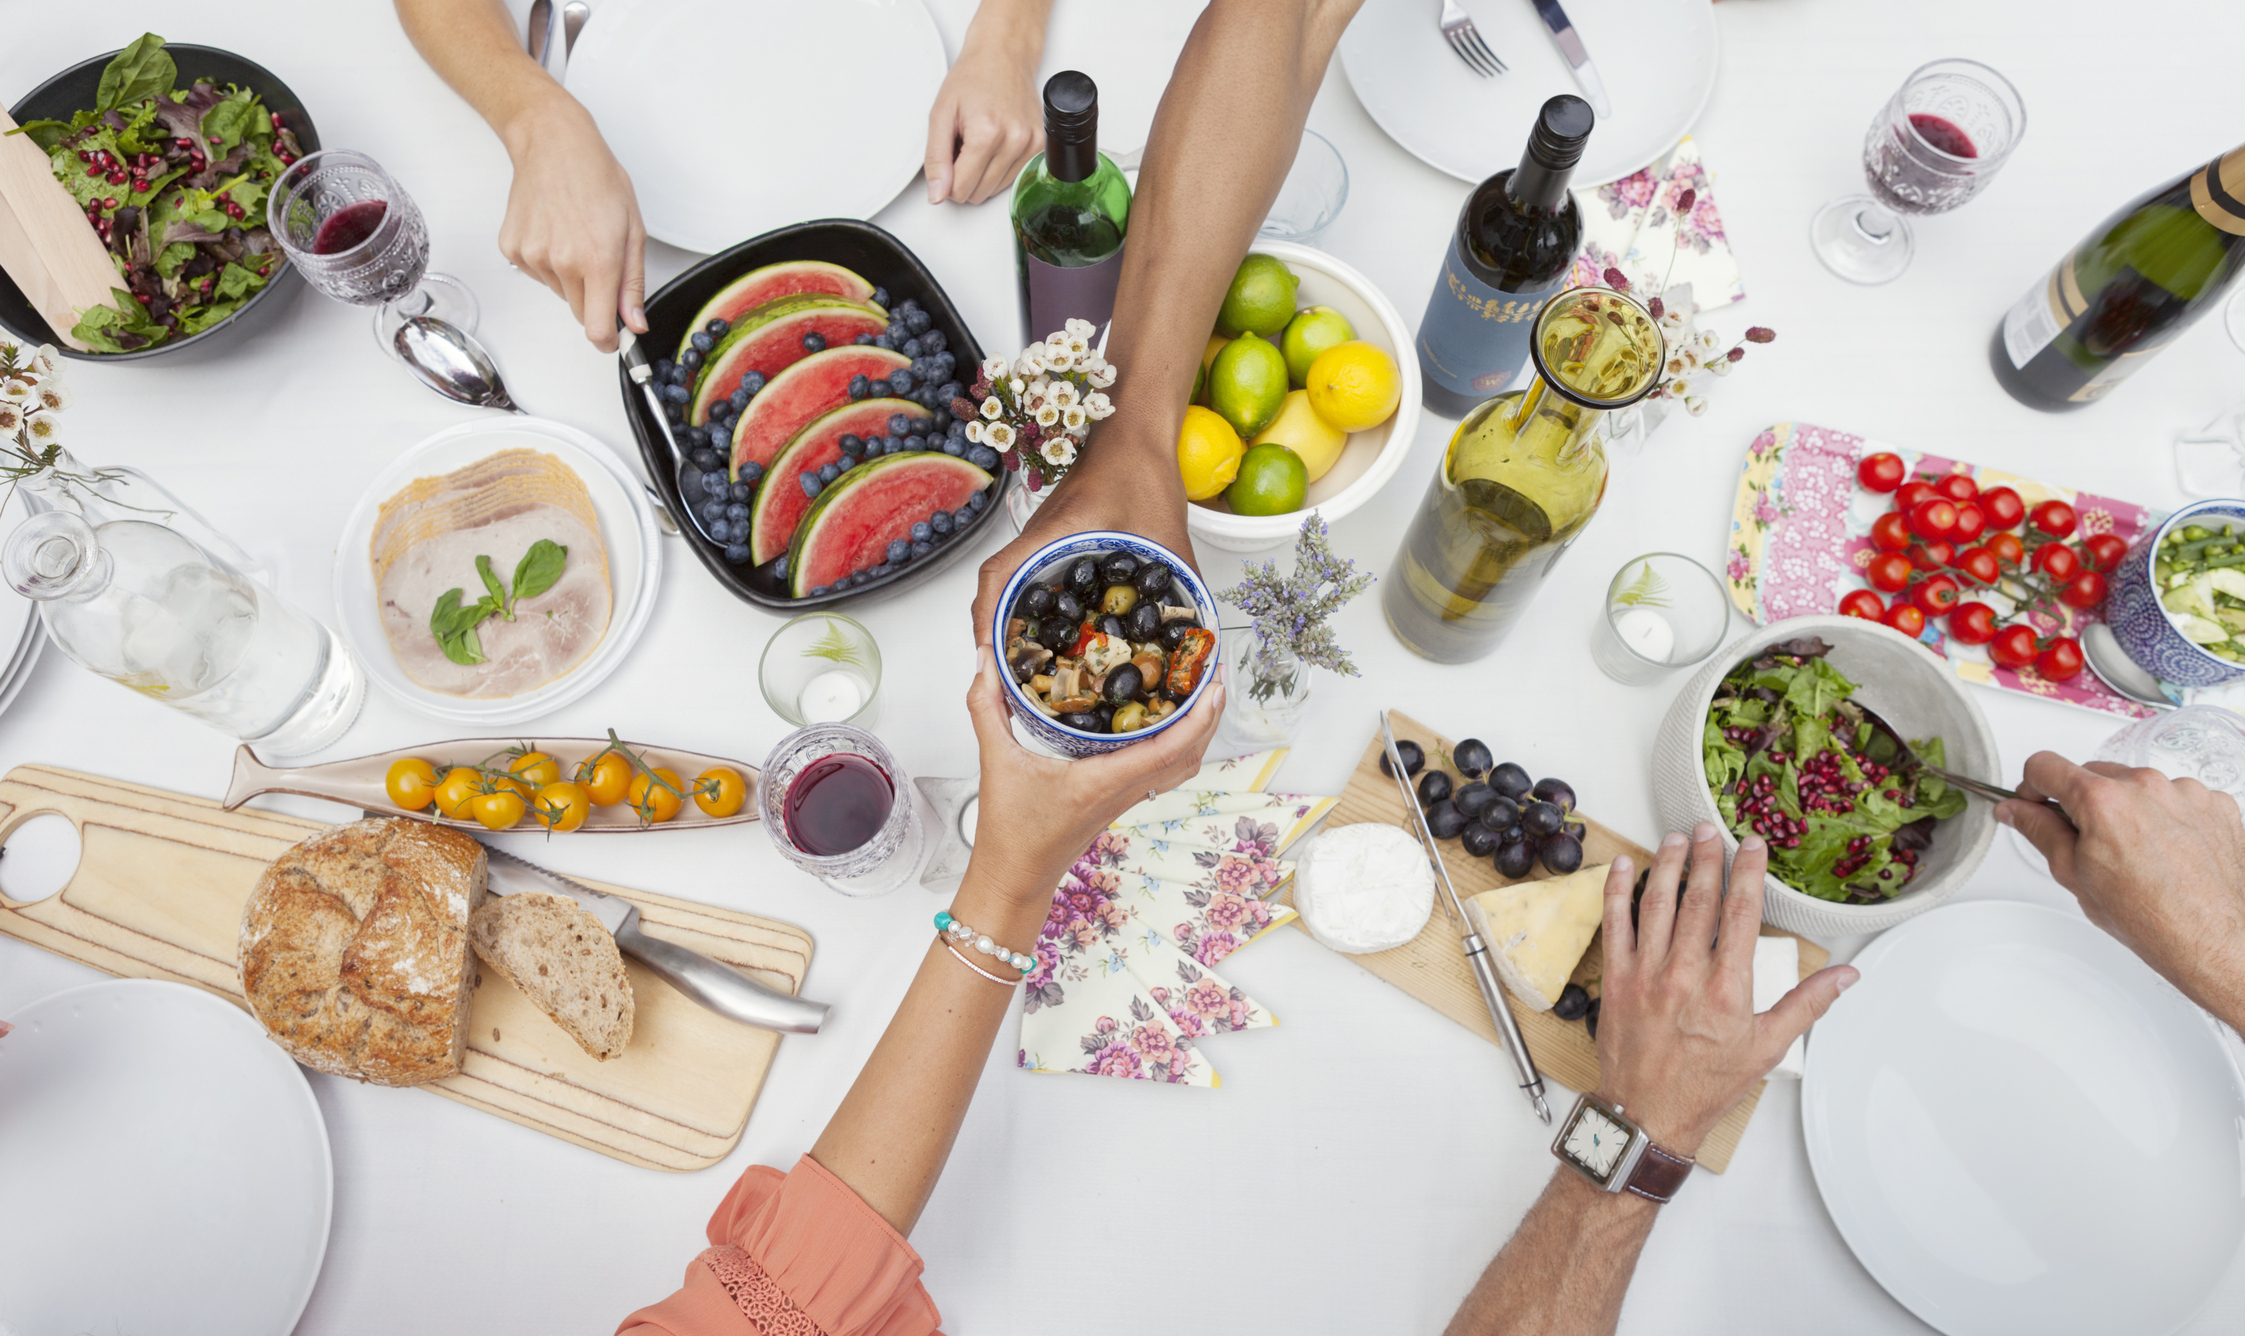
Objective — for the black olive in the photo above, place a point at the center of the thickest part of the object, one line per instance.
(1590, 1016)
(1067, 605)
(1510, 780)
(1118, 567)
(1540, 819)
(1414, 757)
(1514, 860)
(1478, 840)
(1172, 635)
(1083, 720)
(1105, 713)
(1562, 854)
(1152, 581)
(1434, 786)
(1037, 602)
(1473, 799)
(1444, 820)
(1473, 758)
(1501, 814)
(1083, 577)
(1143, 623)
(1059, 634)
(1572, 1003)
(1512, 834)
(1557, 792)
(1125, 683)
(1110, 625)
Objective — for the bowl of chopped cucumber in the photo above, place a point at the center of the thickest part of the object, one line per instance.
(2177, 604)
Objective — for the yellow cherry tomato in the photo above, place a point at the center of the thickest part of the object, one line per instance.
(535, 769)
(651, 800)
(720, 791)
(456, 790)
(561, 806)
(508, 783)
(606, 778)
(498, 809)
(411, 784)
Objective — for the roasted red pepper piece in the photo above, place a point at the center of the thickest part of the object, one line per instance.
(1085, 634)
(1189, 660)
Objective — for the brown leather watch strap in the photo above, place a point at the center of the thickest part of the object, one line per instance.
(1658, 1174)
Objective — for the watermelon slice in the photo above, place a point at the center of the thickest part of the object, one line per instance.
(789, 401)
(780, 501)
(851, 524)
(772, 282)
(770, 339)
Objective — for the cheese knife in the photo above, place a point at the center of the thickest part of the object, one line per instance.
(714, 984)
(1476, 950)
(1569, 42)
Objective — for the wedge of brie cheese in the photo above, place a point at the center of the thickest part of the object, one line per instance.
(1537, 931)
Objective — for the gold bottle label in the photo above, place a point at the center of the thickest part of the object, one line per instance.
(2217, 191)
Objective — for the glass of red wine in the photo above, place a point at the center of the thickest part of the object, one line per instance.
(838, 806)
(357, 236)
(1938, 141)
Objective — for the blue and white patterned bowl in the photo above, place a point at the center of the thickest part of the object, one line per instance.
(1045, 563)
(2140, 622)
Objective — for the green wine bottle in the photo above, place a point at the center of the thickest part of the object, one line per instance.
(1071, 207)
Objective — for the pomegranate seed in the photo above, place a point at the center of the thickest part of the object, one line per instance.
(84, 156)
(109, 203)
(141, 297)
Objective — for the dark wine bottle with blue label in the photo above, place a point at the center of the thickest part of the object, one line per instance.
(1515, 238)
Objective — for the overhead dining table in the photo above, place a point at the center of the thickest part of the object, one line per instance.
(1362, 1162)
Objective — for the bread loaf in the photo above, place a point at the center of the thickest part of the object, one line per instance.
(563, 961)
(354, 950)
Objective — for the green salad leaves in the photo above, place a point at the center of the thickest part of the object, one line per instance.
(454, 623)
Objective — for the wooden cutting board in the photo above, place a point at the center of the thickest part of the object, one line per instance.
(159, 891)
(1432, 968)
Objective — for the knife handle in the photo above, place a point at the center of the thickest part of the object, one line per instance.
(719, 986)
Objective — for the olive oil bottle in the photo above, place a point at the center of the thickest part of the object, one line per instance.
(1524, 473)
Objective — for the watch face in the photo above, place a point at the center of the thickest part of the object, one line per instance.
(1596, 1142)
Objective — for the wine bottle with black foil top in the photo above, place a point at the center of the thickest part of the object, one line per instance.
(1515, 238)
(1071, 207)
(2126, 292)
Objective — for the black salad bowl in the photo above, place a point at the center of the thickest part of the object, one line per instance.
(74, 90)
(886, 263)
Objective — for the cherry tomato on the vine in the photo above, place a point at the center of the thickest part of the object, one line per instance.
(1934, 519)
(561, 806)
(2103, 551)
(2004, 508)
(656, 796)
(1971, 522)
(1958, 487)
(1862, 603)
(2061, 661)
(1890, 532)
(1889, 572)
(1979, 564)
(2057, 561)
(721, 791)
(411, 783)
(1935, 597)
(1934, 556)
(2014, 647)
(1906, 618)
(456, 790)
(498, 809)
(2007, 548)
(2056, 518)
(536, 769)
(2085, 590)
(605, 777)
(1972, 623)
(1882, 472)
(1912, 492)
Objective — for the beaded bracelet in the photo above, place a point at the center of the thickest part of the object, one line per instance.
(960, 932)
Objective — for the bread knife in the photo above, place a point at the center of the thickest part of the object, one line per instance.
(714, 984)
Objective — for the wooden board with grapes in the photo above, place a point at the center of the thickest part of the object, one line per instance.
(1432, 967)
(1996, 573)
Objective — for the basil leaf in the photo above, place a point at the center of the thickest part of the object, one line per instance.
(539, 569)
(491, 582)
(464, 648)
(140, 70)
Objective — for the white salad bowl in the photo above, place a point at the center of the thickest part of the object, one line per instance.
(1370, 458)
(1903, 682)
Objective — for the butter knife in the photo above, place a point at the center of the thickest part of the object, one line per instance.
(714, 984)
(1569, 42)
(1476, 950)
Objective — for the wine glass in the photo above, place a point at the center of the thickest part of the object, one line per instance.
(1938, 141)
(357, 236)
(837, 805)
(2210, 459)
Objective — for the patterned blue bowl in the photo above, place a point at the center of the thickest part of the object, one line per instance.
(2141, 624)
(1046, 562)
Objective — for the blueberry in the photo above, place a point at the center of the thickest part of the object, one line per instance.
(743, 492)
(662, 370)
(884, 341)
(676, 394)
(859, 388)
(814, 342)
(939, 523)
(751, 471)
(950, 390)
(719, 487)
(922, 426)
(721, 530)
(809, 481)
(963, 516)
(719, 411)
(717, 326)
(921, 549)
(676, 413)
(850, 444)
(982, 457)
(721, 437)
(923, 532)
(862, 340)
(948, 362)
(876, 572)
(915, 442)
(957, 428)
(925, 397)
(739, 554)
(752, 381)
(897, 332)
(923, 370)
(911, 348)
(713, 514)
(900, 424)
(917, 320)
(891, 444)
(706, 459)
(980, 499)
(689, 360)
(816, 591)
(899, 551)
(955, 445)
(679, 375)
(736, 512)
(702, 342)
(779, 569)
(933, 341)
(696, 438)
(739, 400)
(881, 297)
(829, 471)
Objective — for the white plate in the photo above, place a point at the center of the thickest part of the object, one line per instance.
(627, 527)
(163, 1168)
(738, 116)
(1657, 58)
(2018, 1127)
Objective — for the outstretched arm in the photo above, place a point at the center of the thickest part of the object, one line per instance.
(988, 118)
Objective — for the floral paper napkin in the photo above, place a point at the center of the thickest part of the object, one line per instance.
(1126, 983)
(1631, 225)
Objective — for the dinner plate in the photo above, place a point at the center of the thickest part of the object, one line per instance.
(738, 116)
(2018, 1127)
(163, 1167)
(1657, 58)
(627, 528)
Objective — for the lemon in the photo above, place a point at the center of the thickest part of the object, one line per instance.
(1260, 300)
(1313, 330)
(1208, 453)
(1216, 344)
(1300, 429)
(1247, 383)
(1354, 386)
(1272, 481)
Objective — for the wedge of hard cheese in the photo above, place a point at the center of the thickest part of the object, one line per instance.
(45, 244)
(1538, 930)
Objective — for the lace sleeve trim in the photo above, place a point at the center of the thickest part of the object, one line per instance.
(760, 1297)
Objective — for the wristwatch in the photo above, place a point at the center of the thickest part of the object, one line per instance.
(1615, 1153)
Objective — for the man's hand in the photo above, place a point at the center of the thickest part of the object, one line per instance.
(1679, 1044)
(2159, 863)
(572, 220)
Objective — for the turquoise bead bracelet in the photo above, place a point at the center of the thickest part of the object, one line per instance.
(960, 932)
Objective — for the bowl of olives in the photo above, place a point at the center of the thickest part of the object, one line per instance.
(1106, 639)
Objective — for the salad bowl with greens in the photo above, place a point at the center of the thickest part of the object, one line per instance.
(1797, 733)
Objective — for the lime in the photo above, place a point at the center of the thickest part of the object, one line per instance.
(1313, 330)
(1300, 429)
(1216, 344)
(1354, 386)
(1272, 481)
(1208, 452)
(1247, 383)
(1260, 300)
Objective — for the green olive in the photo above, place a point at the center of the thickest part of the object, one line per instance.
(1119, 599)
(1128, 718)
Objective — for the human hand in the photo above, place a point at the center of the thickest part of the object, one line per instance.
(572, 220)
(987, 120)
(2159, 863)
(1679, 1044)
(1039, 813)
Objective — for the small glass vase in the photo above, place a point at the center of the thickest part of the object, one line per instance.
(102, 495)
(1266, 699)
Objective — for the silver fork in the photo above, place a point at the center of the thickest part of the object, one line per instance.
(1465, 39)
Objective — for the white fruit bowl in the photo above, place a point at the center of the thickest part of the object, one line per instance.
(1370, 458)
(1903, 682)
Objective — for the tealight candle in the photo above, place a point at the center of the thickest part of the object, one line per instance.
(831, 697)
(1646, 632)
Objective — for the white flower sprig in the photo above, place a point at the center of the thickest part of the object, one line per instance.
(32, 399)
(1037, 409)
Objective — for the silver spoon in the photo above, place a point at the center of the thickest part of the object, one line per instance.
(2111, 664)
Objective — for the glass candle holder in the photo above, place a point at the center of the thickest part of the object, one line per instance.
(821, 668)
(837, 805)
(1662, 612)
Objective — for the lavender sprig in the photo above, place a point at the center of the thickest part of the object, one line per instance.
(1290, 611)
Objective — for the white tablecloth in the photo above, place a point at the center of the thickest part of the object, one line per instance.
(1361, 1163)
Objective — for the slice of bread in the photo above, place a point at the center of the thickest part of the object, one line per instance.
(563, 961)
